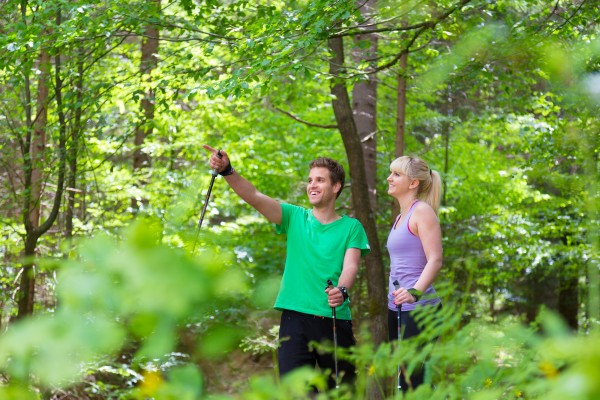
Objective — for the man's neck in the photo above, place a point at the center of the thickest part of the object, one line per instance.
(325, 215)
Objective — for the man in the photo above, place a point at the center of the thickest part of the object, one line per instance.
(321, 245)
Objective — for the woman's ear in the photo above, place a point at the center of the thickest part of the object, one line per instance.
(414, 184)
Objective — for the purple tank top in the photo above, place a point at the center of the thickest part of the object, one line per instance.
(407, 261)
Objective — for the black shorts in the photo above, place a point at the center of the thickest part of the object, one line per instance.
(297, 330)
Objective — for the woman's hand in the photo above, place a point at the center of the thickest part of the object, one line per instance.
(402, 296)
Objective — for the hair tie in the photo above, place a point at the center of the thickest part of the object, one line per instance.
(430, 173)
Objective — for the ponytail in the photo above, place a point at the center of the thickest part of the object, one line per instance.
(430, 182)
(433, 195)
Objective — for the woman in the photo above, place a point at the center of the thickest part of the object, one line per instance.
(415, 248)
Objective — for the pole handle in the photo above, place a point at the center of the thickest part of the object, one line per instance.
(330, 286)
(397, 286)
(214, 171)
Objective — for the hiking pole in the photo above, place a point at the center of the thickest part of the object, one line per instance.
(335, 363)
(399, 310)
(212, 181)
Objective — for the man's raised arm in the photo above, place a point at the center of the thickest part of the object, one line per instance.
(264, 204)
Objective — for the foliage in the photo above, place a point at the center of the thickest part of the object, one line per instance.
(97, 314)
(485, 361)
(502, 100)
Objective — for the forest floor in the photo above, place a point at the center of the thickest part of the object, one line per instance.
(232, 375)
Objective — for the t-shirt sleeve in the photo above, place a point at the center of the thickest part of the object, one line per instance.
(358, 239)
(286, 210)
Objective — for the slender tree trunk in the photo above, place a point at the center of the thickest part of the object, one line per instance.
(39, 140)
(401, 107)
(74, 149)
(33, 156)
(400, 142)
(447, 130)
(33, 161)
(364, 111)
(149, 62)
(376, 285)
(364, 101)
(568, 301)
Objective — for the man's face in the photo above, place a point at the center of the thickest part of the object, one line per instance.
(319, 189)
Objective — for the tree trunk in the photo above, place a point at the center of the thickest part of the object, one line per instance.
(364, 101)
(364, 112)
(33, 161)
(401, 107)
(376, 285)
(447, 130)
(400, 142)
(568, 301)
(74, 149)
(149, 62)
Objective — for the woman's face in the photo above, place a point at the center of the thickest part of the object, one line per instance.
(398, 184)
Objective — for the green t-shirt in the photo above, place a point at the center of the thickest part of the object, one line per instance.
(315, 253)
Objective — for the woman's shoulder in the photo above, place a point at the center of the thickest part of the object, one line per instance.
(424, 210)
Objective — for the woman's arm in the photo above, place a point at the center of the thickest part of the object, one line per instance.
(425, 224)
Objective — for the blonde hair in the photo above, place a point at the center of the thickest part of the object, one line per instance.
(430, 182)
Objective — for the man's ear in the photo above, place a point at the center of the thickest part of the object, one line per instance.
(337, 188)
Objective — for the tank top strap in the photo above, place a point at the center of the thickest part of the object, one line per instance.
(395, 224)
(411, 209)
(408, 215)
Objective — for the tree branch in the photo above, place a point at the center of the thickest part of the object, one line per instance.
(297, 119)
(359, 30)
(570, 17)
(421, 28)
